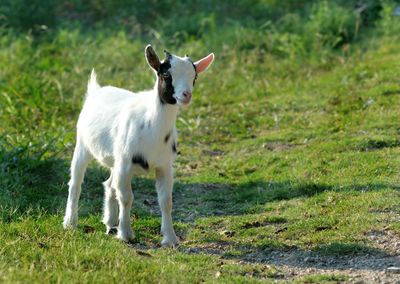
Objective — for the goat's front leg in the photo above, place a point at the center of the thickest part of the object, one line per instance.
(164, 184)
(121, 182)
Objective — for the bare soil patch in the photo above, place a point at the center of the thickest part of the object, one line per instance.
(294, 263)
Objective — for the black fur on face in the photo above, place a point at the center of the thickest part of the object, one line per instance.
(168, 55)
(165, 88)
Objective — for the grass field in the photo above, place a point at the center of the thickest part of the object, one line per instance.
(289, 157)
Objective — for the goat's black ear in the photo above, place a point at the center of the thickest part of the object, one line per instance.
(152, 58)
(168, 55)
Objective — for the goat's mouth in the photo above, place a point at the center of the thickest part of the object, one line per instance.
(183, 101)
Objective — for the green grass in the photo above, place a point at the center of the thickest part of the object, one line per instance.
(291, 143)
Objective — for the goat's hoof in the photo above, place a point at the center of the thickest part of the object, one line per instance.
(112, 231)
(69, 226)
(70, 223)
(167, 242)
(125, 237)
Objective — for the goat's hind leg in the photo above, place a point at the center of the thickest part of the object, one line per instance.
(80, 161)
(110, 214)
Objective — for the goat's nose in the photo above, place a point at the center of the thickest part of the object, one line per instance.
(187, 94)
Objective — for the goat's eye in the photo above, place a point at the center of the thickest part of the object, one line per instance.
(166, 75)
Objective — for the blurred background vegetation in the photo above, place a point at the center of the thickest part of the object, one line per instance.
(331, 23)
(47, 47)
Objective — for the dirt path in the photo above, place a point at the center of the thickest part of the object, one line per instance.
(293, 264)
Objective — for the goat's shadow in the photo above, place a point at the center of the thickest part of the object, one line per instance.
(191, 202)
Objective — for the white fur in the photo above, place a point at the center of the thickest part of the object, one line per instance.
(115, 125)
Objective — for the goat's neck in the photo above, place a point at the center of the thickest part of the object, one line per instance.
(164, 114)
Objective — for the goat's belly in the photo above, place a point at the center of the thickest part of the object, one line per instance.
(139, 171)
(143, 164)
(107, 161)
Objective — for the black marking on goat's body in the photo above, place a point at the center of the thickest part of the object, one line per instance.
(167, 137)
(165, 88)
(142, 125)
(141, 161)
(174, 147)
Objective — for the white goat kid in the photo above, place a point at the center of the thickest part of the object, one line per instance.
(131, 133)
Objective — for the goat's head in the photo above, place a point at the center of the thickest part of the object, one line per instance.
(176, 75)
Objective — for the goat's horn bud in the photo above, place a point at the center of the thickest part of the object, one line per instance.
(167, 54)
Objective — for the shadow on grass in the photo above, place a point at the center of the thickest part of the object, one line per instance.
(236, 199)
(41, 184)
(30, 183)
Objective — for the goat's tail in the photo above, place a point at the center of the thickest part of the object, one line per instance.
(92, 85)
